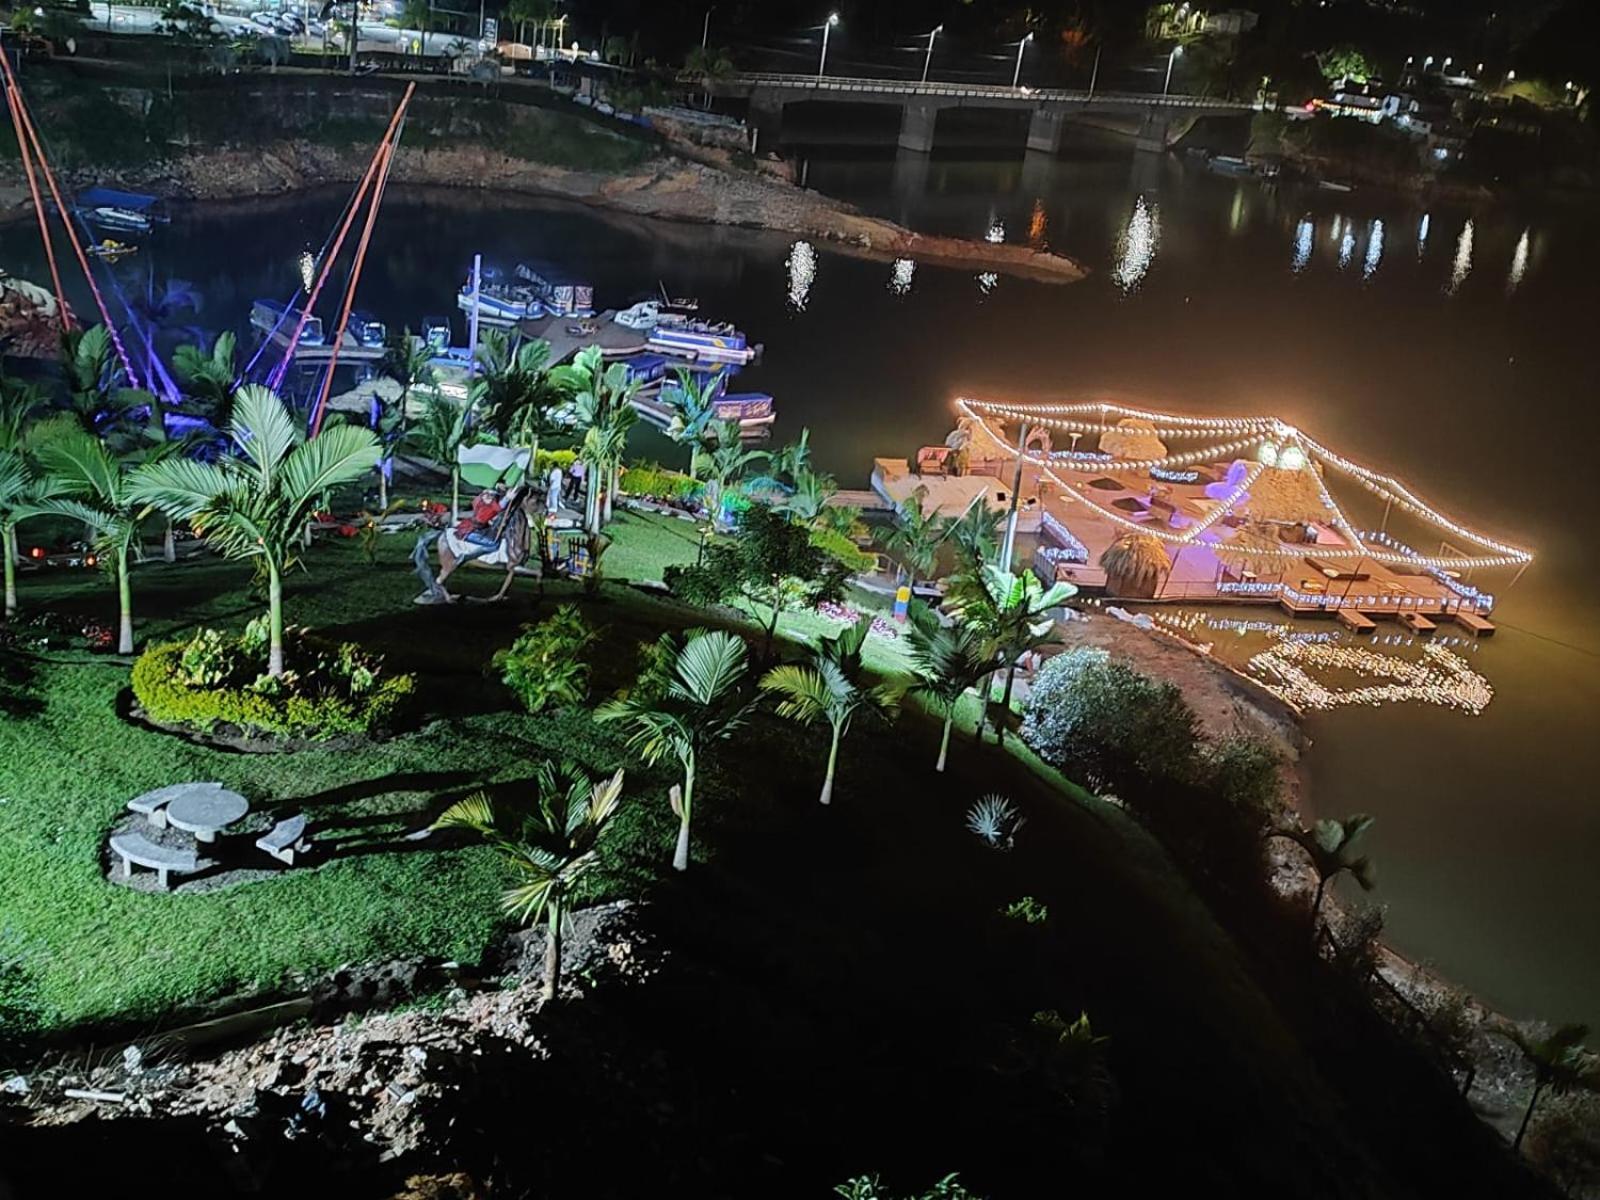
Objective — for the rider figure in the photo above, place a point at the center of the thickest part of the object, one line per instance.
(486, 509)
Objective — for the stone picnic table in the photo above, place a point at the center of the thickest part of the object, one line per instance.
(206, 810)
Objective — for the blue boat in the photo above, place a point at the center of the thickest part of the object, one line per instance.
(647, 369)
(275, 319)
(499, 301)
(127, 212)
(436, 333)
(562, 294)
(367, 329)
(707, 341)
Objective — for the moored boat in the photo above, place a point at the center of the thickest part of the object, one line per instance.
(273, 318)
(129, 212)
(709, 341)
(562, 294)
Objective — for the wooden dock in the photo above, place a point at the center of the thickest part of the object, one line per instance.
(1356, 622)
(1416, 622)
(1475, 625)
(615, 341)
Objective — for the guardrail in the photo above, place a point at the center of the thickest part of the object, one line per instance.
(963, 91)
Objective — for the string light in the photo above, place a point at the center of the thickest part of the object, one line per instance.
(1247, 434)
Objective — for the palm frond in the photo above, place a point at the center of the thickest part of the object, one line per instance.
(262, 428)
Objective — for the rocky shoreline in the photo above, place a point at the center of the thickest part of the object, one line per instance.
(1229, 703)
(666, 187)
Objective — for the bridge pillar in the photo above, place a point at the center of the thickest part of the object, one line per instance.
(1153, 133)
(1044, 130)
(917, 122)
(910, 181)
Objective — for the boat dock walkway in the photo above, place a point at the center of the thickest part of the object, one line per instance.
(615, 341)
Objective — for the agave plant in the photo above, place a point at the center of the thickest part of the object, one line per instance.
(996, 821)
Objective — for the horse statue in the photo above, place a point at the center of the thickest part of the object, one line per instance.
(514, 546)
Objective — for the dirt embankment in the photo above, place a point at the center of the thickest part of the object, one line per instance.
(665, 187)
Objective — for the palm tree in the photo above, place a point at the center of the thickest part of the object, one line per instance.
(694, 408)
(517, 391)
(794, 459)
(91, 370)
(975, 533)
(1012, 614)
(949, 661)
(1330, 844)
(686, 698)
(211, 377)
(255, 503)
(915, 537)
(832, 687)
(19, 404)
(551, 850)
(418, 15)
(1559, 1063)
(409, 362)
(711, 64)
(809, 499)
(527, 12)
(440, 434)
(1135, 564)
(726, 464)
(603, 407)
(87, 482)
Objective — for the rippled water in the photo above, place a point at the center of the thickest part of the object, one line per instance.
(1450, 347)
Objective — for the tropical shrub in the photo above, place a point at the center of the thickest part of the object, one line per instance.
(1244, 771)
(870, 1187)
(544, 666)
(1028, 910)
(213, 680)
(654, 482)
(1108, 726)
(995, 821)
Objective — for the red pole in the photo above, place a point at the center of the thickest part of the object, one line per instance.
(12, 100)
(386, 155)
(349, 219)
(66, 219)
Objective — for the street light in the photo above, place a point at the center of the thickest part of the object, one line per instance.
(1016, 75)
(705, 30)
(1426, 63)
(927, 59)
(1171, 58)
(822, 63)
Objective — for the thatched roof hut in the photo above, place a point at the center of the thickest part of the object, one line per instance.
(1135, 438)
(1136, 565)
(1287, 496)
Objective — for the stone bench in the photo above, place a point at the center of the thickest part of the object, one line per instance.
(163, 860)
(152, 806)
(285, 839)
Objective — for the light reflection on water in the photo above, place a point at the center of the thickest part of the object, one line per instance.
(1462, 267)
(900, 276)
(802, 265)
(1304, 238)
(1374, 249)
(1422, 235)
(1519, 264)
(1137, 246)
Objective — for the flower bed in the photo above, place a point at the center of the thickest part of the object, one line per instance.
(213, 683)
(832, 611)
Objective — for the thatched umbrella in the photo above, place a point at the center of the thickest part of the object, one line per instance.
(1135, 564)
(1253, 549)
(1134, 437)
(1289, 496)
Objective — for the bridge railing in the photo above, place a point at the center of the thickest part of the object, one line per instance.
(967, 91)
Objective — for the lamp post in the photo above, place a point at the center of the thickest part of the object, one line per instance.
(1171, 58)
(1016, 75)
(705, 30)
(927, 59)
(822, 63)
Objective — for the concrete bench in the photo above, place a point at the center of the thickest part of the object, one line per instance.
(152, 806)
(163, 860)
(285, 839)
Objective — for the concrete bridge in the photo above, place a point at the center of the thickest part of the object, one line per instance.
(920, 104)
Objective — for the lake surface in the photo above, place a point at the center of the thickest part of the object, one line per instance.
(1460, 361)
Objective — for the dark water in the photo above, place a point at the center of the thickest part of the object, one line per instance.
(1480, 394)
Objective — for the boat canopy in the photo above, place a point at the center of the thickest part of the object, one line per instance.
(104, 197)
